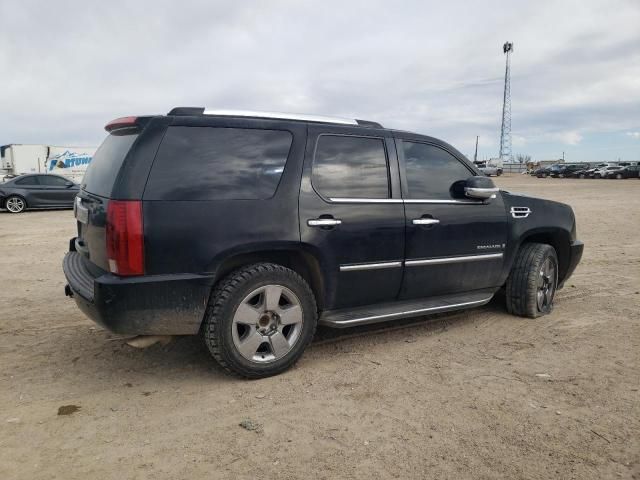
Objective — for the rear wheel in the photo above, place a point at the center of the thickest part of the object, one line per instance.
(619, 176)
(15, 204)
(533, 280)
(259, 320)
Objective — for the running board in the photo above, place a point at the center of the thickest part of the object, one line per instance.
(383, 312)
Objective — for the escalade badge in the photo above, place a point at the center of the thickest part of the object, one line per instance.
(488, 247)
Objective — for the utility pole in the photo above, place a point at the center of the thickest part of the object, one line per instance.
(475, 155)
(505, 131)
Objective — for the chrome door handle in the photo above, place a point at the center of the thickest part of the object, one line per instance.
(324, 222)
(425, 221)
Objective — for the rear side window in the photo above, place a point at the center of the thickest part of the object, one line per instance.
(28, 181)
(431, 171)
(210, 163)
(52, 181)
(350, 167)
(104, 167)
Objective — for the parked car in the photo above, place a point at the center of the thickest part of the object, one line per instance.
(251, 229)
(565, 170)
(630, 171)
(544, 172)
(582, 173)
(37, 191)
(605, 172)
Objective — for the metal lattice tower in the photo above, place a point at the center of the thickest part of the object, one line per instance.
(505, 132)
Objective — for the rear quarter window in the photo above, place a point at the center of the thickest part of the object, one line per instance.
(106, 163)
(216, 163)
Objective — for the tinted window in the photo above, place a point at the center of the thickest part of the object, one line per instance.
(351, 167)
(27, 181)
(206, 163)
(431, 171)
(105, 165)
(52, 180)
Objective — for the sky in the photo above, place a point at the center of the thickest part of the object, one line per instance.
(437, 68)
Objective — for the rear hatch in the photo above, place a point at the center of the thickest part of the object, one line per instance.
(92, 203)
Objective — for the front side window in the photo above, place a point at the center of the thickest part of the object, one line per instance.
(350, 167)
(211, 163)
(431, 171)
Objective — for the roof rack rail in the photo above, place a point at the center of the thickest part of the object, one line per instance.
(276, 115)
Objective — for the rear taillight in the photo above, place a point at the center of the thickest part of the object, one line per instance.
(125, 238)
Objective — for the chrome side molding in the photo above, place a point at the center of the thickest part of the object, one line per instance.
(407, 200)
(419, 262)
(369, 266)
(461, 259)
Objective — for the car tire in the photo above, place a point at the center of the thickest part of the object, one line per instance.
(15, 204)
(544, 175)
(597, 175)
(619, 176)
(259, 320)
(581, 175)
(533, 280)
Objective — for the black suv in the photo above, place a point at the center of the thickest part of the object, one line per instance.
(252, 228)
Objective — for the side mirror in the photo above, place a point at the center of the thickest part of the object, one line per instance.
(68, 184)
(481, 188)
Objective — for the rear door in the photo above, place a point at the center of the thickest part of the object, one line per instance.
(351, 214)
(56, 191)
(453, 244)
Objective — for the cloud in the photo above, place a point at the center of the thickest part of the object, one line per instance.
(635, 135)
(432, 67)
(568, 138)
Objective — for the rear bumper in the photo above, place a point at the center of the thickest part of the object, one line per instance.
(146, 305)
(575, 254)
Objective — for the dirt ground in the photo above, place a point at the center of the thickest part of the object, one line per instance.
(478, 394)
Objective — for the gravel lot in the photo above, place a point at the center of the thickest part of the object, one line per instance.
(478, 394)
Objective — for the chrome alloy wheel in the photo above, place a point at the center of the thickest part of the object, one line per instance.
(547, 280)
(15, 204)
(267, 324)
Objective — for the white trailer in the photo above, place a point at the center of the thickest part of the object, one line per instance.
(70, 162)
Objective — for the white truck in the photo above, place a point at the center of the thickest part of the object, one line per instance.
(490, 167)
(70, 162)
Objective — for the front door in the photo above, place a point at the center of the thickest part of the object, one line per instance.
(55, 191)
(453, 244)
(351, 214)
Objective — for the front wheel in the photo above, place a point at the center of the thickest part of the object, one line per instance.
(619, 176)
(533, 280)
(15, 204)
(259, 320)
